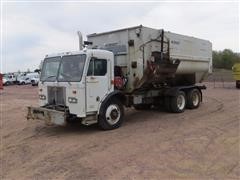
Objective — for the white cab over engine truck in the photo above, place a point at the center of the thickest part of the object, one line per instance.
(136, 67)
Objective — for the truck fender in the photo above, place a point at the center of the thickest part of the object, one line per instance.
(115, 94)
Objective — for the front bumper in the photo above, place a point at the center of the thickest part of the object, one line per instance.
(50, 116)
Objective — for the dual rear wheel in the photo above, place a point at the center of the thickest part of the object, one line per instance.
(194, 98)
(112, 112)
(177, 104)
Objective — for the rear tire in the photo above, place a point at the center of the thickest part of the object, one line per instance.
(178, 102)
(193, 99)
(111, 115)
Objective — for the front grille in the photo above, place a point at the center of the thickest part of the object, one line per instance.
(57, 95)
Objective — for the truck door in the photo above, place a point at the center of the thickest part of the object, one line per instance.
(97, 82)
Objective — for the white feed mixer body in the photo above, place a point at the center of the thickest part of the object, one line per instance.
(133, 47)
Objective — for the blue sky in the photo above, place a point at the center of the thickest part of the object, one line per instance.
(32, 30)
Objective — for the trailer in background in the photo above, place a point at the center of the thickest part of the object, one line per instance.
(236, 74)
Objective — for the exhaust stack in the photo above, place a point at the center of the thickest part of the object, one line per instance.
(80, 40)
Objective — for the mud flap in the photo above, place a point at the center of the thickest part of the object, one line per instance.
(50, 116)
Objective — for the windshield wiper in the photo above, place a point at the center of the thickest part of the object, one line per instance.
(48, 78)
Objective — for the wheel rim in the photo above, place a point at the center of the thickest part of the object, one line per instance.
(181, 102)
(195, 99)
(113, 114)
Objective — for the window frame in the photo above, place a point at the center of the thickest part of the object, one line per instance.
(61, 65)
(93, 66)
(44, 64)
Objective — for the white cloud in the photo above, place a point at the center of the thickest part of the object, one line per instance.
(36, 29)
(49, 40)
(217, 22)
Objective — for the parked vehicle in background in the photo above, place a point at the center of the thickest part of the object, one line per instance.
(12, 78)
(24, 80)
(20, 76)
(35, 80)
(5, 81)
(236, 74)
(8, 79)
(27, 78)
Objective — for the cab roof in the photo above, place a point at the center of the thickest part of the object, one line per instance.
(85, 51)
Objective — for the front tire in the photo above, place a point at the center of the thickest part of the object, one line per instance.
(111, 115)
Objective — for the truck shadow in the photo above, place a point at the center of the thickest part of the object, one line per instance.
(134, 116)
(71, 128)
(130, 119)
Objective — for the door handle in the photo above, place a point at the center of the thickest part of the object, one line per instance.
(92, 78)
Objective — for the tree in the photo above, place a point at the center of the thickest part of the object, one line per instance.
(225, 59)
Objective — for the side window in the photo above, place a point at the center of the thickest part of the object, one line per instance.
(100, 67)
(97, 67)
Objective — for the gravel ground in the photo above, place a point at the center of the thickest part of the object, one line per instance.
(197, 144)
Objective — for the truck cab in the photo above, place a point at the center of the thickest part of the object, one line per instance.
(75, 84)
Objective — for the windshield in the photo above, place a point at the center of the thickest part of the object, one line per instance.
(64, 69)
(71, 68)
(50, 69)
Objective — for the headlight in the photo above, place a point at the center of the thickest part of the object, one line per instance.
(72, 100)
(42, 97)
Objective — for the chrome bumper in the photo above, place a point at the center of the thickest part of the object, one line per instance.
(50, 116)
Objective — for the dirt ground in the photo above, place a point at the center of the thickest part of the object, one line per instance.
(197, 144)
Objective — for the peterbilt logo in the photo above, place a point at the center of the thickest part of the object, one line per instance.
(175, 42)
